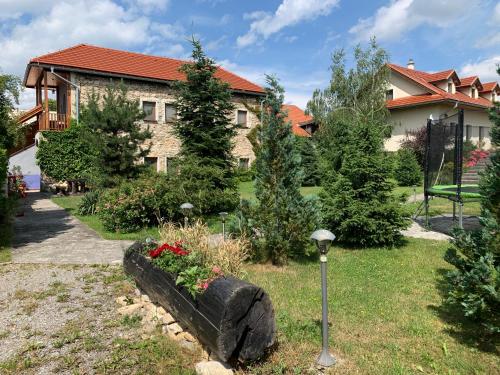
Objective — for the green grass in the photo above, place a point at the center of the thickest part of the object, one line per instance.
(385, 311)
(247, 190)
(5, 241)
(70, 204)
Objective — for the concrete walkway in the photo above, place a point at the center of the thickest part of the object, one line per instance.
(48, 234)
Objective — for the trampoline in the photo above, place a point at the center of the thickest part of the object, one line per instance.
(444, 165)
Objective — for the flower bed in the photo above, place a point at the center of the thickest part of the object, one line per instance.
(231, 317)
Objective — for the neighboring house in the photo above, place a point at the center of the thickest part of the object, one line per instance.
(74, 73)
(302, 125)
(414, 96)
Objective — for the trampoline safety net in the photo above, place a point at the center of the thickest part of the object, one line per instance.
(443, 158)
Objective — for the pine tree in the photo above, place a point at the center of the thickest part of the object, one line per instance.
(204, 110)
(309, 160)
(283, 218)
(357, 204)
(475, 283)
(112, 125)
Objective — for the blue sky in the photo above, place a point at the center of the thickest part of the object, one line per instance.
(293, 39)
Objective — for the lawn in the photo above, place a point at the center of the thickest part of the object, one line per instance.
(5, 238)
(386, 314)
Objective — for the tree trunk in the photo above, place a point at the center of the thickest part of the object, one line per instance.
(233, 318)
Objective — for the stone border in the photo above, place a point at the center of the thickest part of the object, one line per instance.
(153, 315)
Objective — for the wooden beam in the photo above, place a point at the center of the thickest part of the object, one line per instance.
(46, 98)
(68, 102)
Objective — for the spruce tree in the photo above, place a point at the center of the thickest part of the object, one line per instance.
(283, 218)
(474, 284)
(204, 111)
(357, 204)
(309, 160)
(112, 125)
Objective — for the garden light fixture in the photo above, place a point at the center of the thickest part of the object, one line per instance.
(323, 238)
(186, 210)
(223, 216)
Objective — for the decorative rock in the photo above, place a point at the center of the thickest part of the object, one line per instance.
(122, 301)
(166, 318)
(187, 336)
(205, 355)
(188, 345)
(145, 298)
(174, 328)
(130, 309)
(212, 368)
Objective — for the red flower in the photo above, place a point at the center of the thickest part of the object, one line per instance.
(177, 250)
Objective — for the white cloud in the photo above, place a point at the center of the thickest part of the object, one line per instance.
(486, 69)
(14, 9)
(496, 13)
(290, 12)
(100, 22)
(490, 39)
(392, 21)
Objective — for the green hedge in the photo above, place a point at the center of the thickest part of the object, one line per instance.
(65, 155)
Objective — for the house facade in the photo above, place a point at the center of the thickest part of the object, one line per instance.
(75, 73)
(414, 96)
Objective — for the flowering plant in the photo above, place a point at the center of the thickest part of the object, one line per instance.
(186, 265)
(475, 157)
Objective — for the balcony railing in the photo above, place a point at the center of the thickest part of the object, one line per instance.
(57, 121)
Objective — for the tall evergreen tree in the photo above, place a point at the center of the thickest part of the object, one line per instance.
(475, 281)
(357, 203)
(112, 124)
(283, 218)
(204, 111)
(10, 88)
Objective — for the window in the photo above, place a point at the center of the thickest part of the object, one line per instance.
(473, 93)
(152, 162)
(242, 118)
(468, 132)
(244, 163)
(172, 164)
(450, 87)
(149, 109)
(481, 133)
(170, 113)
(389, 95)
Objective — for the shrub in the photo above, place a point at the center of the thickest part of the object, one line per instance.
(407, 171)
(66, 155)
(308, 161)
(416, 141)
(229, 255)
(88, 205)
(154, 197)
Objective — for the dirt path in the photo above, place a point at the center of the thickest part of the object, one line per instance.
(48, 234)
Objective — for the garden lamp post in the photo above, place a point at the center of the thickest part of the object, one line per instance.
(186, 210)
(323, 238)
(223, 216)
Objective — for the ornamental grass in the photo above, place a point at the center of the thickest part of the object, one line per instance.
(228, 255)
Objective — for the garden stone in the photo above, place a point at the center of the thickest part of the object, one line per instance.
(212, 368)
(130, 309)
(187, 336)
(191, 346)
(122, 301)
(174, 328)
(145, 298)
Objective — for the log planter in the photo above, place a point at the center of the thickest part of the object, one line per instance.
(233, 318)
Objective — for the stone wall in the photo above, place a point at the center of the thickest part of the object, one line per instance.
(163, 143)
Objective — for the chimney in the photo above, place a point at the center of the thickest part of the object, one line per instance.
(411, 64)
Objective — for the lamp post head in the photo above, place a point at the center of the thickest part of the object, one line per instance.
(186, 208)
(323, 238)
(223, 216)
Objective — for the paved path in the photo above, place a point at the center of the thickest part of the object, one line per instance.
(441, 227)
(48, 234)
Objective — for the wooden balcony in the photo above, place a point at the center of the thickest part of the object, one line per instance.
(56, 121)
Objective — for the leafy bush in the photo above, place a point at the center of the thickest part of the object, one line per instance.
(66, 155)
(416, 141)
(407, 171)
(88, 204)
(154, 197)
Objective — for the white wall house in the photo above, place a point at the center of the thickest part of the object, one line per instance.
(414, 96)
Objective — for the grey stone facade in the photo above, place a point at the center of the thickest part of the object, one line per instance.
(164, 144)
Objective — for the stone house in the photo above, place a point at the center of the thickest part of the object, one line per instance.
(72, 74)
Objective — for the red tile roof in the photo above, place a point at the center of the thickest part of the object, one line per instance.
(106, 60)
(468, 81)
(297, 116)
(435, 94)
(490, 86)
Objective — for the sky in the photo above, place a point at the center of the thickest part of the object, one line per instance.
(292, 39)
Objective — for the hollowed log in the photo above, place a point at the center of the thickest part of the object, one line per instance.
(233, 318)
